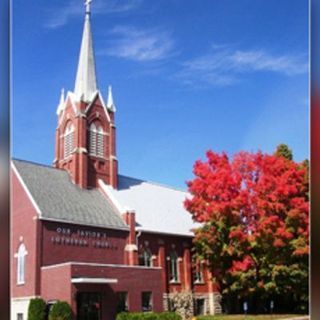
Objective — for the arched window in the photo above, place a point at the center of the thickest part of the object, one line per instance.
(68, 140)
(96, 140)
(145, 258)
(198, 272)
(173, 267)
(21, 263)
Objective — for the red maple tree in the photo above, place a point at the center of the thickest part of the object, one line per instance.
(254, 212)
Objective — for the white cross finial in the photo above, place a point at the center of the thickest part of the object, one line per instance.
(87, 4)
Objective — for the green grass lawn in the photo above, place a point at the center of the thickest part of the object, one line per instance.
(249, 317)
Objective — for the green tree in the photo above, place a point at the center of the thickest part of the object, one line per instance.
(284, 151)
(61, 310)
(37, 309)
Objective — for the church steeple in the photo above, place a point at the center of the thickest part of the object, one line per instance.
(86, 81)
(86, 131)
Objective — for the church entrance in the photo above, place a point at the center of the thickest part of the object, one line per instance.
(89, 306)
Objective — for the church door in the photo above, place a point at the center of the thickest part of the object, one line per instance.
(89, 306)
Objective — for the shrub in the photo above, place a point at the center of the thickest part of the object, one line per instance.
(37, 309)
(169, 316)
(61, 310)
(142, 316)
(148, 316)
(123, 316)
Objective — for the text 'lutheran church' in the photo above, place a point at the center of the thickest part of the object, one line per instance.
(84, 234)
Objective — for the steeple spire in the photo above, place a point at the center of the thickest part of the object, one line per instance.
(62, 96)
(110, 104)
(86, 82)
(61, 102)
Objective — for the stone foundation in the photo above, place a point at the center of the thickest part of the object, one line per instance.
(205, 303)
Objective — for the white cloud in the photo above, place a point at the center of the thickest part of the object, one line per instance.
(224, 66)
(117, 6)
(60, 16)
(139, 45)
(262, 61)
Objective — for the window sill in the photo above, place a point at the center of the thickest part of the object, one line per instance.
(20, 284)
(199, 283)
(174, 282)
(143, 265)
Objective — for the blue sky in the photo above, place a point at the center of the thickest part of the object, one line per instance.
(187, 76)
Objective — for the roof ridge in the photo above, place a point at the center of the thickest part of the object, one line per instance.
(160, 184)
(36, 163)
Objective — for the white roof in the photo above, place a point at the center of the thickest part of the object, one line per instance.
(158, 208)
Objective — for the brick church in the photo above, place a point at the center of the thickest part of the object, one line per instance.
(87, 235)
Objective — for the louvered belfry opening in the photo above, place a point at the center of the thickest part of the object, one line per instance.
(68, 140)
(92, 141)
(100, 144)
(96, 141)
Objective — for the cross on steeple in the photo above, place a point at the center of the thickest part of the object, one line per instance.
(87, 5)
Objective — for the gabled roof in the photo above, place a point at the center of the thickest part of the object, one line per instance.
(63, 103)
(59, 199)
(98, 95)
(158, 208)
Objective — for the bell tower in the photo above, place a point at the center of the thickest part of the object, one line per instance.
(86, 132)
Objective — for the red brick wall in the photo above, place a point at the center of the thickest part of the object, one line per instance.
(24, 228)
(54, 253)
(133, 280)
(181, 245)
(56, 283)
